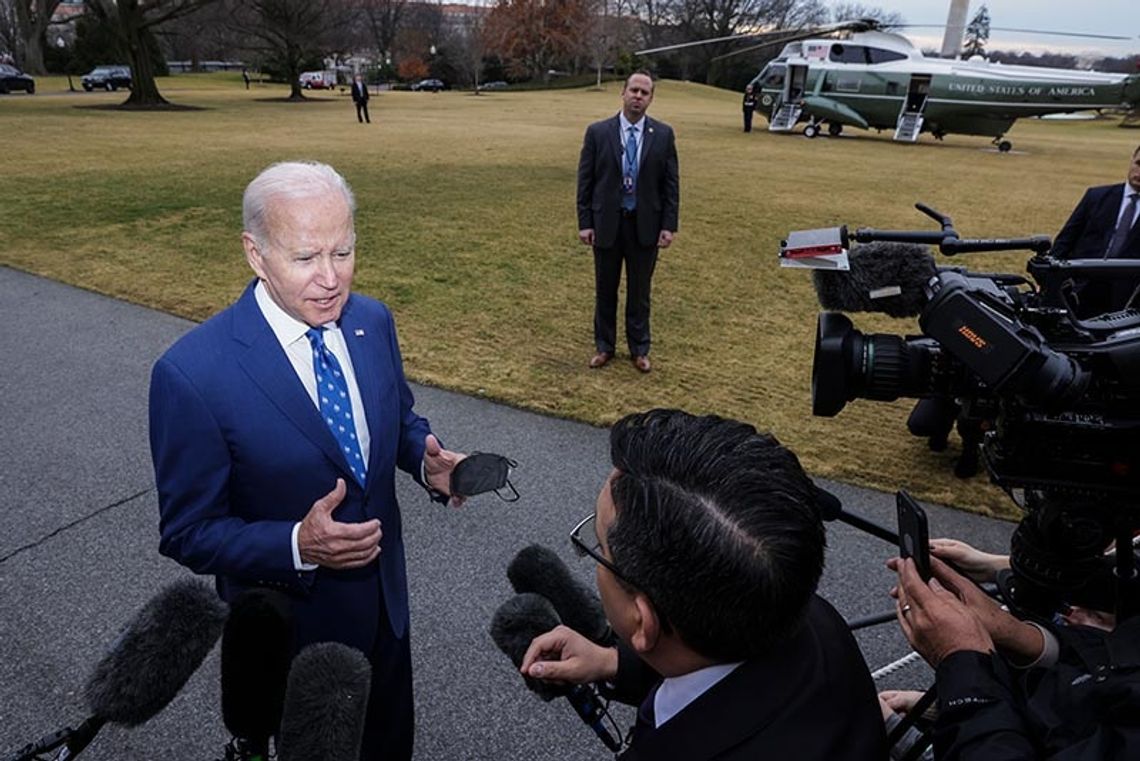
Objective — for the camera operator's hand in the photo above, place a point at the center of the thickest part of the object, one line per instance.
(934, 620)
(980, 566)
(564, 655)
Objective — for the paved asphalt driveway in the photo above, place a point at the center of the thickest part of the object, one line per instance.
(79, 536)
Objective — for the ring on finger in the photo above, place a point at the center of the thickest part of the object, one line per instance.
(905, 609)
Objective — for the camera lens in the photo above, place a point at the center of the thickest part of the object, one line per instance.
(849, 364)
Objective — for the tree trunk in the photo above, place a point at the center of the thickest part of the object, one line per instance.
(34, 52)
(144, 90)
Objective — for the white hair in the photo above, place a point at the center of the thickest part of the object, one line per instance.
(289, 180)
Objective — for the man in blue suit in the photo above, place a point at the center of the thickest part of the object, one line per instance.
(1105, 225)
(276, 427)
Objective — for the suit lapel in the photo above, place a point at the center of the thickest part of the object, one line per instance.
(264, 361)
(613, 139)
(364, 365)
(647, 135)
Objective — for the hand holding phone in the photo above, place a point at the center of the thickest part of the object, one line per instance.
(914, 536)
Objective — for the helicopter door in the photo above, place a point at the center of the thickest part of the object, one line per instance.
(786, 116)
(910, 117)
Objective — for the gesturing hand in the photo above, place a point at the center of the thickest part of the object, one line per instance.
(564, 655)
(330, 543)
(438, 464)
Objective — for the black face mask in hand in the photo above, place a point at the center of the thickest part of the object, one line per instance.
(481, 472)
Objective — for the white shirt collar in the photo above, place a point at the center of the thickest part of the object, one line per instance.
(626, 123)
(677, 692)
(286, 327)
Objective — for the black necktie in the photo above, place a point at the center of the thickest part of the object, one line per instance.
(1123, 227)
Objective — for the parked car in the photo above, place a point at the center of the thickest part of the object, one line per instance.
(317, 80)
(495, 84)
(429, 85)
(107, 78)
(12, 78)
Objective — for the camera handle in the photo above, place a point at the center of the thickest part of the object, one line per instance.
(948, 241)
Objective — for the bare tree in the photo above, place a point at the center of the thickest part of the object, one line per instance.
(468, 42)
(135, 22)
(853, 11)
(418, 39)
(710, 19)
(9, 30)
(610, 32)
(288, 33)
(32, 19)
(383, 19)
(202, 35)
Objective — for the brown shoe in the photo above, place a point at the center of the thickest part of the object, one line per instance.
(600, 359)
(642, 363)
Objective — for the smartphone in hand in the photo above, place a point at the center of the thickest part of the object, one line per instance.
(914, 536)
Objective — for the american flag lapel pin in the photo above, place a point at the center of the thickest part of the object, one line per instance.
(358, 332)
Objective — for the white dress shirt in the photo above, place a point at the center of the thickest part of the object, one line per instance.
(290, 333)
(676, 692)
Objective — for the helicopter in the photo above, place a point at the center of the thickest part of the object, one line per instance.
(870, 78)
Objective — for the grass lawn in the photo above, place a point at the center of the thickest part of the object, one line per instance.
(467, 229)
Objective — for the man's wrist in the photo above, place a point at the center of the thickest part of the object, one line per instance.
(298, 563)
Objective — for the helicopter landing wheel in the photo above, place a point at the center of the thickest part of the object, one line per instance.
(1004, 146)
(811, 131)
(835, 129)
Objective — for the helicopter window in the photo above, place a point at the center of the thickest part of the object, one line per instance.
(862, 54)
(773, 77)
(848, 83)
(879, 55)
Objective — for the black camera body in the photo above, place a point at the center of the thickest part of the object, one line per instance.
(1058, 397)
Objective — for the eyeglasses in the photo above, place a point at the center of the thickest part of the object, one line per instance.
(584, 537)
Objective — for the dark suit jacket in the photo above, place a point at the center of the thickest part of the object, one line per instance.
(811, 699)
(241, 453)
(1089, 229)
(1086, 236)
(359, 92)
(600, 177)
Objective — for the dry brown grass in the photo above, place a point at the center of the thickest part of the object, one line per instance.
(466, 228)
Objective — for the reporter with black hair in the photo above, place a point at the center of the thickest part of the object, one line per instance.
(709, 547)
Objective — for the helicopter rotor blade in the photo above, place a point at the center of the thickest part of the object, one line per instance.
(797, 34)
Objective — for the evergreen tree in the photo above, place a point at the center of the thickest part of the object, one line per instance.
(977, 34)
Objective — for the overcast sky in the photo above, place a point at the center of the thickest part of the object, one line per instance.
(1091, 16)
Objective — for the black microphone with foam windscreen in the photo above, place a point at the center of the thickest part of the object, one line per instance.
(539, 570)
(257, 648)
(514, 626)
(146, 667)
(326, 702)
(884, 277)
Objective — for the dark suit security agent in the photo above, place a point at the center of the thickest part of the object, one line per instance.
(360, 98)
(276, 428)
(709, 546)
(628, 201)
(1104, 226)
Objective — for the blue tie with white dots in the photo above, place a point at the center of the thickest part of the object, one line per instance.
(336, 407)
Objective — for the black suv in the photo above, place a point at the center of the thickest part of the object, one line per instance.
(12, 78)
(107, 78)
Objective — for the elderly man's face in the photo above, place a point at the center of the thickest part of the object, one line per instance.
(308, 261)
(1134, 171)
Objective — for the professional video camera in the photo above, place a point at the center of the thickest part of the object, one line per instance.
(1056, 398)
